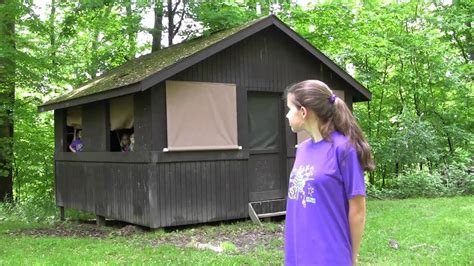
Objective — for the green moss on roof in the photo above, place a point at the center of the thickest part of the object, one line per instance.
(144, 66)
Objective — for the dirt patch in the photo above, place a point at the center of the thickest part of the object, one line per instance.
(62, 230)
(242, 240)
(232, 239)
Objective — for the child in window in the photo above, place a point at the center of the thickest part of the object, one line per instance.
(125, 143)
(76, 144)
(132, 141)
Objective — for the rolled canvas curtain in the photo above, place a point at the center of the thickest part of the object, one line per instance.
(74, 117)
(121, 113)
(201, 116)
(302, 135)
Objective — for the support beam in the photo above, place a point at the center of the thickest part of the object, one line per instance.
(100, 220)
(61, 213)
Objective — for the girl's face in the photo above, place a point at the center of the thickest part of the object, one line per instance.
(125, 140)
(294, 115)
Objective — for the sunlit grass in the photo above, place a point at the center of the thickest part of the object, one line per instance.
(428, 231)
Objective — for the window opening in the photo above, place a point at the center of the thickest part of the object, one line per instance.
(122, 137)
(74, 130)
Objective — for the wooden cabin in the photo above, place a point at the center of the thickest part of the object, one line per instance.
(208, 119)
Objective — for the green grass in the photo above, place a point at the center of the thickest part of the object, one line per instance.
(429, 231)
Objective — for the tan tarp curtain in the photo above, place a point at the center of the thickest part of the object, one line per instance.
(201, 116)
(302, 135)
(74, 117)
(121, 112)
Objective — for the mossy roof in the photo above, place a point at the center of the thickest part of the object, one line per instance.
(144, 66)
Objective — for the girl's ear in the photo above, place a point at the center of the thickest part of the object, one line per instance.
(304, 111)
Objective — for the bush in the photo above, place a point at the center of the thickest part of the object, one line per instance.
(455, 180)
(458, 179)
(29, 211)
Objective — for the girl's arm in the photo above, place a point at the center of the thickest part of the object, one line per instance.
(356, 224)
(71, 149)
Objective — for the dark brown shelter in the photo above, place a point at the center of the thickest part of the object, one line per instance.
(209, 126)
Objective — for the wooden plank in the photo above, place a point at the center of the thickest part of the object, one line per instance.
(273, 214)
(253, 215)
(60, 135)
(96, 127)
(142, 121)
(158, 117)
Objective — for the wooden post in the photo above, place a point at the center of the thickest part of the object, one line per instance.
(100, 220)
(61, 213)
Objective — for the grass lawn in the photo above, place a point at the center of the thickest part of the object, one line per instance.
(428, 231)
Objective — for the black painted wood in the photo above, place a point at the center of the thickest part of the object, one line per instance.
(158, 117)
(60, 140)
(142, 121)
(96, 127)
(117, 191)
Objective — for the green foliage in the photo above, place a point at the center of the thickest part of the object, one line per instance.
(221, 15)
(419, 184)
(29, 211)
(455, 180)
(407, 54)
(33, 151)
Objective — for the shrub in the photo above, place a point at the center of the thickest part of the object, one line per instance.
(29, 211)
(419, 183)
(458, 179)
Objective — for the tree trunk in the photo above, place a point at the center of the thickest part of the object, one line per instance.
(170, 23)
(157, 30)
(172, 11)
(132, 35)
(7, 96)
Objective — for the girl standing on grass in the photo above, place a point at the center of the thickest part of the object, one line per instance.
(326, 195)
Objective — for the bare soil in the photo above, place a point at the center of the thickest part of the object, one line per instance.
(215, 237)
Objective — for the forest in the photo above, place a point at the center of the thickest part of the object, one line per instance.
(416, 57)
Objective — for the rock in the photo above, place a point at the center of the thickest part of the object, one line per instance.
(393, 244)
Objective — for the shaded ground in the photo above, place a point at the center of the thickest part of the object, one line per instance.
(238, 238)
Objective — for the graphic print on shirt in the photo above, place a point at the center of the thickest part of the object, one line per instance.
(298, 178)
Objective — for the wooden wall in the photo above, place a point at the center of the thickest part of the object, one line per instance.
(155, 195)
(114, 190)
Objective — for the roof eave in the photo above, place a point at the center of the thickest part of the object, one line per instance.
(132, 88)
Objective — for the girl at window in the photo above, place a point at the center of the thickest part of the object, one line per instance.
(76, 144)
(125, 143)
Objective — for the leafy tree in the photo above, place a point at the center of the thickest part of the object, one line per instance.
(7, 92)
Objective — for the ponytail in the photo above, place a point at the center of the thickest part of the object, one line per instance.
(344, 122)
(333, 114)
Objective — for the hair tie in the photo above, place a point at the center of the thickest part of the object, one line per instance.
(332, 98)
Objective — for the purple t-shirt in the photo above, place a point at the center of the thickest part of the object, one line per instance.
(77, 145)
(325, 176)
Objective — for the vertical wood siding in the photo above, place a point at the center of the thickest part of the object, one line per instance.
(197, 192)
(117, 191)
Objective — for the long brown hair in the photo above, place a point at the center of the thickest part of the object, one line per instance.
(333, 114)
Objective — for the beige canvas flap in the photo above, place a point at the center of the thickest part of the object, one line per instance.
(74, 117)
(201, 115)
(121, 113)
